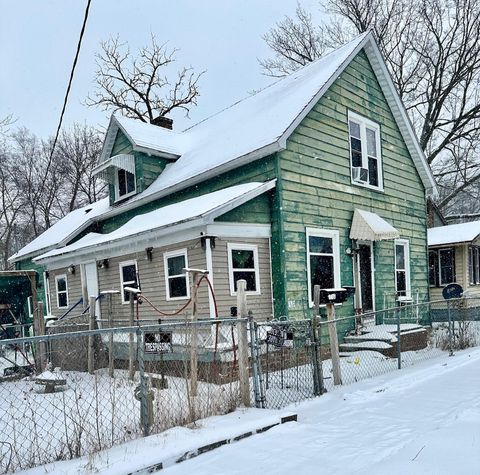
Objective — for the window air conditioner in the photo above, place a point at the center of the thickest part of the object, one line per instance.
(360, 174)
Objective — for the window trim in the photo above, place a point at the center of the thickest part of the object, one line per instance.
(408, 285)
(117, 185)
(364, 122)
(235, 246)
(57, 292)
(166, 256)
(334, 234)
(473, 263)
(121, 265)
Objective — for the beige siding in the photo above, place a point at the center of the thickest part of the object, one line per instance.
(261, 305)
(152, 279)
(74, 288)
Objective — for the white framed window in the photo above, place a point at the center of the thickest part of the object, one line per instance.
(61, 289)
(243, 264)
(402, 268)
(176, 281)
(365, 152)
(441, 267)
(128, 278)
(474, 265)
(323, 259)
(125, 184)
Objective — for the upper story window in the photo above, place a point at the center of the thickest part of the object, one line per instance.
(243, 264)
(474, 265)
(441, 267)
(323, 259)
(125, 183)
(177, 286)
(402, 268)
(365, 152)
(62, 291)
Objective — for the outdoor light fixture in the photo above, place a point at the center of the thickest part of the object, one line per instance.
(71, 269)
(351, 252)
(103, 264)
(149, 252)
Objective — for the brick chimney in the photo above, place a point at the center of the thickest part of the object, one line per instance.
(162, 121)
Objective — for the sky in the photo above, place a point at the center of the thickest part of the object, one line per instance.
(38, 39)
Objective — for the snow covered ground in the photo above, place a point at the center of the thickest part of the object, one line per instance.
(422, 420)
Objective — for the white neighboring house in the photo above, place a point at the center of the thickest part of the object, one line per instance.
(454, 257)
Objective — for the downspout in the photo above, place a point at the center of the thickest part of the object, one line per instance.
(209, 266)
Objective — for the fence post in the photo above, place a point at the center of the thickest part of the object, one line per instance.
(253, 356)
(450, 329)
(193, 340)
(110, 337)
(399, 344)
(131, 347)
(317, 359)
(146, 412)
(42, 347)
(332, 331)
(91, 338)
(243, 369)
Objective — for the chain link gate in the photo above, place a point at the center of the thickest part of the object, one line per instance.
(288, 362)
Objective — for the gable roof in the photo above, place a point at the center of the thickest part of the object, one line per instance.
(261, 124)
(198, 211)
(454, 234)
(63, 230)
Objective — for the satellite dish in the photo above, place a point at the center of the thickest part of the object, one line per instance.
(452, 291)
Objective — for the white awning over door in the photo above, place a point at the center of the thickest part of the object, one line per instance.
(367, 226)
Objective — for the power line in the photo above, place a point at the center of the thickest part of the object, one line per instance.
(82, 31)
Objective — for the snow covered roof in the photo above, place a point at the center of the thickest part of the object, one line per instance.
(260, 124)
(64, 230)
(454, 233)
(371, 227)
(145, 137)
(194, 211)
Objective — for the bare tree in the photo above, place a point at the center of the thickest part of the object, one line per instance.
(432, 50)
(138, 85)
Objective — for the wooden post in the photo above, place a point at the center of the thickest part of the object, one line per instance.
(332, 331)
(110, 337)
(42, 347)
(317, 342)
(91, 338)
(243, 369)
(193, 340)
(131, 343)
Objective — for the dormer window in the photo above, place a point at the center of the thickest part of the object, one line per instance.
(119, 171)
(125, 183)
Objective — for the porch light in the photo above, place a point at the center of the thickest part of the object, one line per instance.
(71, 269)
(149, 253)
(103, 264)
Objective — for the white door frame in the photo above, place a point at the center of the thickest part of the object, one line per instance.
(372, 273)
(85, 285)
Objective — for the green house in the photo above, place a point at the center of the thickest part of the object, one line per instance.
(317, 179)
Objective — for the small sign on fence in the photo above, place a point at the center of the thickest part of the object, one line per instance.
(280, 338)
(160, 342)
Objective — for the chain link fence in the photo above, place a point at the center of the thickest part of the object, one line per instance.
(107, 386)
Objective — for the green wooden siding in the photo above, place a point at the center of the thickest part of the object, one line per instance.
(260, 170)
(28, 264)
(316, 190)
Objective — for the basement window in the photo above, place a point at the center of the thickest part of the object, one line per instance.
(243, 264)
(365, 156)
(62, 291)
(176, 281)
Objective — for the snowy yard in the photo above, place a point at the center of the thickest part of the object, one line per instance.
(423, 420)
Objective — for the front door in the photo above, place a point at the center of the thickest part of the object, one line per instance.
(365, 271)
(91, 284)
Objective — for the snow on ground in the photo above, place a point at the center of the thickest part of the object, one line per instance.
(422, 420)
